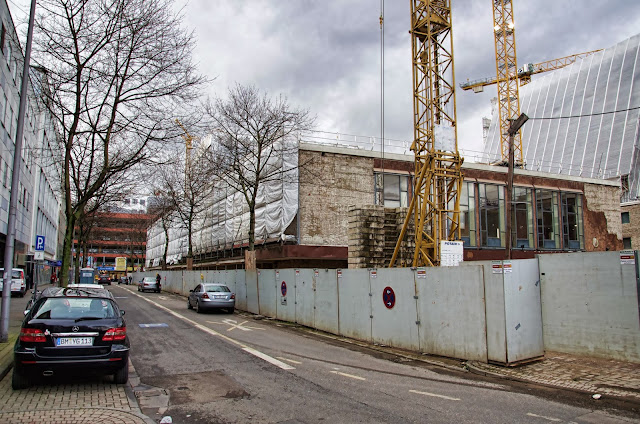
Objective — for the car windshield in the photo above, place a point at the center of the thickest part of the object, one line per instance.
(75, 308)
(216, 289)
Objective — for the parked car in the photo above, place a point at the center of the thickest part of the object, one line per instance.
(71, 330)
(123, 280)
(18, 285)
(149, 283)
(104, 279)
(209, 296)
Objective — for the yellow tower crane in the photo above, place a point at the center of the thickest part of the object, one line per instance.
(435, 204)
(188, 141)
(508, 75)
(525, 72)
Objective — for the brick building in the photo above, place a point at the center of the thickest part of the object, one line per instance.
(116, 235)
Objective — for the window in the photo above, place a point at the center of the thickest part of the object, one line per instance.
(626, 243)
(572, 235)
(142, 202)
(625, 217)
(548, 222)
(3, 35)
(468, 214)
(391, 190)
(491, 209)
(127, 201)
(522, 218)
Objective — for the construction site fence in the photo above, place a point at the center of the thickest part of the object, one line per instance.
(503, 312)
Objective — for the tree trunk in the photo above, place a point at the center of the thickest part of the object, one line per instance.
(66, 251)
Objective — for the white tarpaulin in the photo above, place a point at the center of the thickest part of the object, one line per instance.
(226, 220)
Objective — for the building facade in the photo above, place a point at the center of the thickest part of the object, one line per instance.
(111, 237)
(39, 202)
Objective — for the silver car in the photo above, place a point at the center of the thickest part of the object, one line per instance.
(149, 283)
(209, 296)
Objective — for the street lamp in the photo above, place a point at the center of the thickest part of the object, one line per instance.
(516, 124)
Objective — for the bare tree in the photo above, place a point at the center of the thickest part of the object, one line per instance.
(250, 130)
(116, 71)
(188, 186)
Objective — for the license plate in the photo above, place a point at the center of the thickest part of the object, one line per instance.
(74, 341)
(218, 296)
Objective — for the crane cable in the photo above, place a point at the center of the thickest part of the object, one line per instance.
(382, 91)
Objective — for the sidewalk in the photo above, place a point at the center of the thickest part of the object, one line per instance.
(80, 403)
(592, 376)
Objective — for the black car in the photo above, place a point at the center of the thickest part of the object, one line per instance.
(104, 279)
(69, 330)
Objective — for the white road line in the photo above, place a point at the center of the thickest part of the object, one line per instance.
(244, 347)
(556, 420)
(289, 360)
(434, 395)
(268, 358)
(348, 375)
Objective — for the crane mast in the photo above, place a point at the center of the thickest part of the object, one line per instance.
(435, 204)
(507, 76)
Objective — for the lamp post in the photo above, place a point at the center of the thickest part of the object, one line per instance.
(15, 180)
(516, 124)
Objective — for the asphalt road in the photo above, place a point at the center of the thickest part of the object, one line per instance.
(220, 368)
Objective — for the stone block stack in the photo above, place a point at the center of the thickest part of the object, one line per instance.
(373, 232)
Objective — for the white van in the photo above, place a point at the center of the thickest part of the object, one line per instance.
(18, 284)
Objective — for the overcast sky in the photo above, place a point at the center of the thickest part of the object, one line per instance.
(324, 55)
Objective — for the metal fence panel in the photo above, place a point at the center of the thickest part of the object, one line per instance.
(251, 278)
(241, 289)
(523, 311)
(305, 297)
(267, 294)
(326, 300)
(590, 305)
(354, 300)
(285, 280)
(395, 315)
(451, 310)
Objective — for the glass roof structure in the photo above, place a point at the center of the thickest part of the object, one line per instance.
(584, 119)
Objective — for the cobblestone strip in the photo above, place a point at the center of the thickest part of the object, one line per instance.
(608, 377)
(71, 416)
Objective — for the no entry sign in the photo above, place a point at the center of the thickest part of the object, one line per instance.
(283, 288)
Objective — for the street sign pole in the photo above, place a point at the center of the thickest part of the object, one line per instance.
(15, 179)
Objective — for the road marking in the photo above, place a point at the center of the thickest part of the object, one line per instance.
(268, 358)
(222, 336)
(557, 420)
(434, 395)
(154, 325)
(234, 324)
(348, 375)
(289, 360)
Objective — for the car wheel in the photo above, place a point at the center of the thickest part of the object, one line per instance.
(139, 288)
(198, 310)
(122, 376)
(19, 381)
(230, 310)
(189, 304)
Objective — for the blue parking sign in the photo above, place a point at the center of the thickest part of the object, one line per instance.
(39, 243)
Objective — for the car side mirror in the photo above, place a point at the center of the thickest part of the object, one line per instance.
(122, 313)
(26, 312)
(190, 291)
